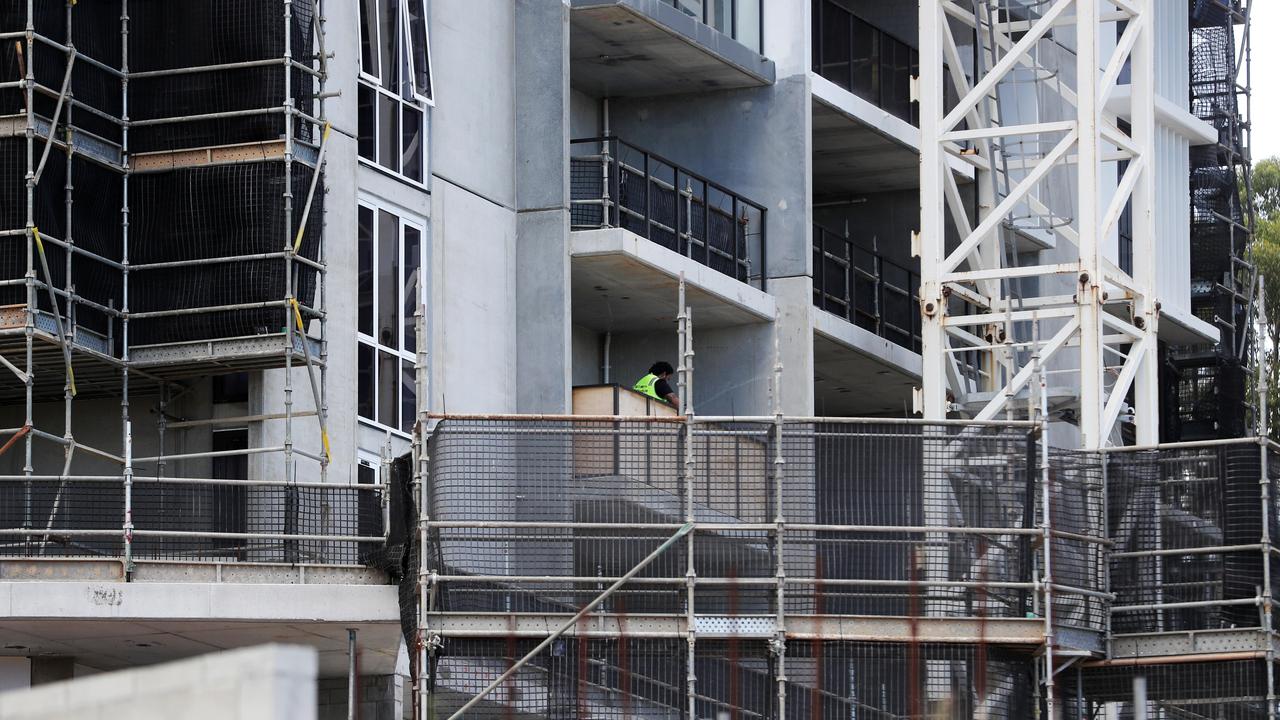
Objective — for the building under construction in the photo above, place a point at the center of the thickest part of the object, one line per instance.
(277, 367)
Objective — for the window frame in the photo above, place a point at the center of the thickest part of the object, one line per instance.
(405, 219)
(419, 103)
(376, 46)
(428, 100)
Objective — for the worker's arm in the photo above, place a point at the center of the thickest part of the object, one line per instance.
(674, 400)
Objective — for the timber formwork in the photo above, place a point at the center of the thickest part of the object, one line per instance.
(161, 222)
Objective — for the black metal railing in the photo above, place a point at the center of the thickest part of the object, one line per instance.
(864, 59)
(860, 285)
(614, 184)
(739, 19)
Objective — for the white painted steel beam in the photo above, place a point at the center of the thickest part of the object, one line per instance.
(1041, 123)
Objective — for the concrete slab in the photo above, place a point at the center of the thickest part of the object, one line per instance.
(858, 373)
(622, 281)
(637, 48)
(860, 148)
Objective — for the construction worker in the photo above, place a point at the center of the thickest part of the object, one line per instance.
(655, 384)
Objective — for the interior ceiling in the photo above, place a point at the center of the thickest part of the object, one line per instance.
(615, 51)
(851, 384)
(112, 644)
(614, 291)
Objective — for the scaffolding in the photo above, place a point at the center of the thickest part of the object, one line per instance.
(1211, 399)
(161, 199)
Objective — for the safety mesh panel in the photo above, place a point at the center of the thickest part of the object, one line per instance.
(1077, 560)
(224, 521)
(573, 678)
(228, 211)
(48, 507)
(873, 489)
(543, 515)
(578, 677)
(1233, 690)
(1207, 501)
(165, 35)
(255, 510)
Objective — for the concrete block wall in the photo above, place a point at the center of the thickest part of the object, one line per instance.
(379, 697)
(269, 682)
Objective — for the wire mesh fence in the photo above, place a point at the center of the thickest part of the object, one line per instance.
(189, 520)
(848, 518)
(1200, 564)
(583, 677)
(1226, 690)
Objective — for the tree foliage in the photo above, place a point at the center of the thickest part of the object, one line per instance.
(1266, 256)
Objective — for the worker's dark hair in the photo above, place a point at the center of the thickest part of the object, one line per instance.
(661, 368)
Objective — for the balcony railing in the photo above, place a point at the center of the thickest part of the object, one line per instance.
(864, 59)
(619, 185)
(739, 19)
(861, 286)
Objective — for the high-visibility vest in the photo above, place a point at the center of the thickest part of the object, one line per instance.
(648, 386)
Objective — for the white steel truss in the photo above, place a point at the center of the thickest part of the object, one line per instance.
(1054, 165)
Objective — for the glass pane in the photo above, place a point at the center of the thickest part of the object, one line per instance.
(408, 396)
(412, 291)
(367, 129)
(835, 54)
(405, 88)
(388, 378)
(692, 8)
(411, 149)
(748, 24)
(389, 28)
(389, 132)
(365, 278)
(369, 37)
(364, 381)
(720, 15)
(420, 46)
(864, 48)
(388, 281)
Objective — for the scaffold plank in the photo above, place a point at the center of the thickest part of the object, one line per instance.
(993, 631)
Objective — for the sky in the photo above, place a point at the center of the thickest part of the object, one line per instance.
(1266, 79)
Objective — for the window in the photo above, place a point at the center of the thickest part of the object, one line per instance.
(395, 84)
(389, 291)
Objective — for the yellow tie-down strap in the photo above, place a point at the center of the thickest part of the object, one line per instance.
(44, 262)
(324, 433)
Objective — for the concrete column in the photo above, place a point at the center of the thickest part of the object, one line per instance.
(48, 669)
(543, 302)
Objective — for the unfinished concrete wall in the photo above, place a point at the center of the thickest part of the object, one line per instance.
(271, 682)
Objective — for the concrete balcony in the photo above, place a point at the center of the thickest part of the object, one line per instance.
(866, 321)
(637, 48)
(204, 565)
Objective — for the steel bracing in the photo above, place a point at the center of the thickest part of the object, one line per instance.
(1037, 126)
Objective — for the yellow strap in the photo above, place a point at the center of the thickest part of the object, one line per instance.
(324, 438)
(297, 314)
(324, 139)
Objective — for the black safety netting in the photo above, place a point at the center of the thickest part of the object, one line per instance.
(95, 33)
(165, 35)
(224, 212)
(1230, 690)
(96, 201)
